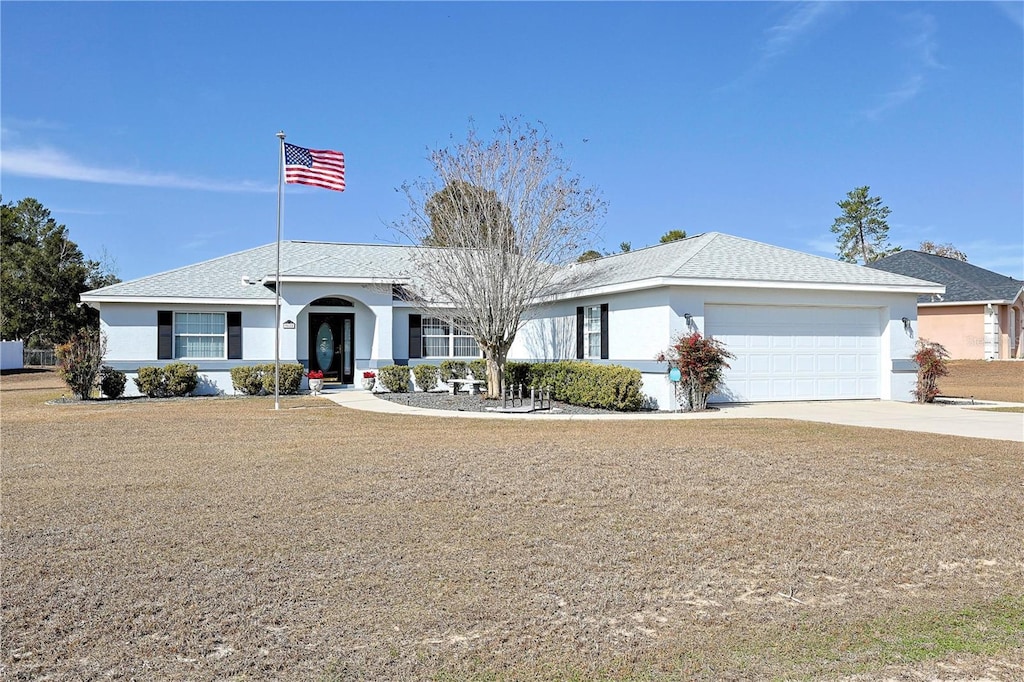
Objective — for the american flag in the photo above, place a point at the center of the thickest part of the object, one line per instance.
(319, 167)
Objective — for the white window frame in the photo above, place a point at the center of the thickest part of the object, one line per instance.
(451, 335)
(177, 334)
(592, 332)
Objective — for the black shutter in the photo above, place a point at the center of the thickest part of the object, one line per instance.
(234, 336)
(415, 336)
(604, 331)
(164, 335)
(579, 332)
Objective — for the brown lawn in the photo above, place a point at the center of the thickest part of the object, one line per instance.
(219, 539)
(997, 380)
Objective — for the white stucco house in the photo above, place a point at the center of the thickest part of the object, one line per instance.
(802, 327)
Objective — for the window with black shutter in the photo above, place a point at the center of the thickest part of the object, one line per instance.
(415, 336)
(604, 331)
(165, 335)
(235, 336)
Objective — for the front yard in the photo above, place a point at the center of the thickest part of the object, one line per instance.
(219, 539)
(997, 380)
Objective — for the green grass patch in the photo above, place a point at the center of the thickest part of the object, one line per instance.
(985, 629)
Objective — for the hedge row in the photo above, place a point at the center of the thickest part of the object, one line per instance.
(609, 387)
(259, 379)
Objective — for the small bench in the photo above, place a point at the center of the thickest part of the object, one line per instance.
(473, 385)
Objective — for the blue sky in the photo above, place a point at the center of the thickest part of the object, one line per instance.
(149, 128)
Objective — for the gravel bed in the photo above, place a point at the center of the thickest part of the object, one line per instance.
(437, 400)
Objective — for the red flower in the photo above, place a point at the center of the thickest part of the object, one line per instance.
(315, 374)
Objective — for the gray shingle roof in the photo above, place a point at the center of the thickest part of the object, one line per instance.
(964, 282)
(716, 256)
(710, 256)
(222, 277)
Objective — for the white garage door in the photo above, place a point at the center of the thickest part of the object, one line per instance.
(793, 353)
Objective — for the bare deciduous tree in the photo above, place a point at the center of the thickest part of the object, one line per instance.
(947, 250)
(522, 215)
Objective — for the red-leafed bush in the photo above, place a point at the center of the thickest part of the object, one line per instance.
(931, 362)
(701, 363)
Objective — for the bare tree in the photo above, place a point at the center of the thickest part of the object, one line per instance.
(521, 216)
(947, 250)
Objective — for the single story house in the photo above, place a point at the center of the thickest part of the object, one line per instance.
(980, 316)
(802, 327)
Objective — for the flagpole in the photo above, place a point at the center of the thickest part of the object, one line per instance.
(277, 282)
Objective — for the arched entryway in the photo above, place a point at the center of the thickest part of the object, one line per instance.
(332, 347)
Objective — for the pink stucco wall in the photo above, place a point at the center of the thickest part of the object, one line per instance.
(961, 329)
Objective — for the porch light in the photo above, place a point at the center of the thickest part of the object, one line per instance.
(907, 327)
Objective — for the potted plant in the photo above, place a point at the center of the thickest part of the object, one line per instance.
(316, 380)
(369, 379)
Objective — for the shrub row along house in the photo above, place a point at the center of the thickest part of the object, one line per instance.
(801, 327)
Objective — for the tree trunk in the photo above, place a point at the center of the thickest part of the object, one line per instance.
(495, 371)
(863, 242)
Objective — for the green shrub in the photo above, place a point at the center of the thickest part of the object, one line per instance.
(182, 378)
(290, 377)
(248, 379)
(609, 387)
(425, 376)
(79, 360)
(112, 382)
(394, 377)
(556, 375)
(174, 380)
(516, 373)
(259, 379)
(453, 369)
(150, 381)
(479, 369)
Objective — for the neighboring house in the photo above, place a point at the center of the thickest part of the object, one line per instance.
(979, 316)
(802, 327)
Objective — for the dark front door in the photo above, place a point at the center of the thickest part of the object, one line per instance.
(332, 345)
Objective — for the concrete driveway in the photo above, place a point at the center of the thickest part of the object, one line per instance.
(950, 420)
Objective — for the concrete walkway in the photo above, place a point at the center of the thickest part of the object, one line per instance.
(951, 420)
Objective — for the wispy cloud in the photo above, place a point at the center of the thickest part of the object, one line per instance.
(784, 36)
(922, 47)
(50, 163)
(1014, 11)
(780, 38)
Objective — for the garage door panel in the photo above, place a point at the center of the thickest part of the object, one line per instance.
(758, 364)
(848, 364)
(803, 364)
(798, 353)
